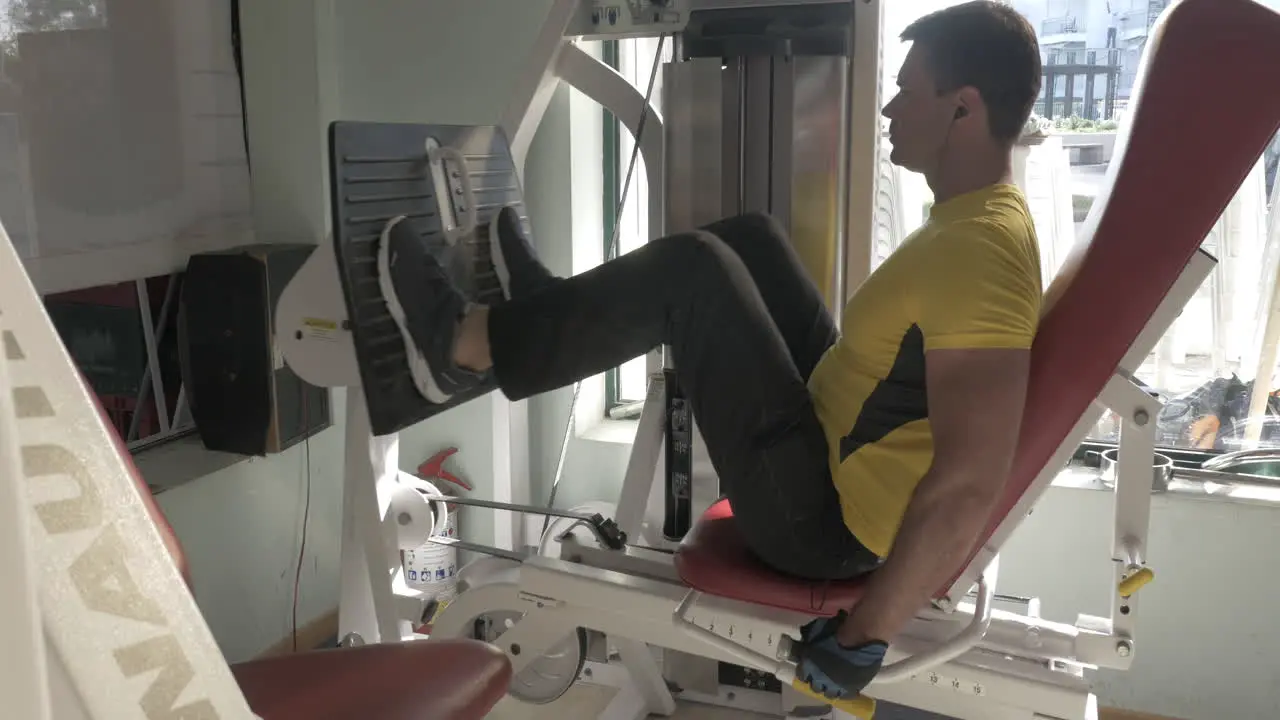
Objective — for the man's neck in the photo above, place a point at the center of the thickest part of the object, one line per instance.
(966, 175)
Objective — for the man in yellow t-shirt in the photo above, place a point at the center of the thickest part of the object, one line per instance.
(882, 446)
(968, 280)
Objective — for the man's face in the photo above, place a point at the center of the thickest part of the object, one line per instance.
(920, 118)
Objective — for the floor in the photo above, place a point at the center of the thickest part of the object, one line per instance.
(587, 701)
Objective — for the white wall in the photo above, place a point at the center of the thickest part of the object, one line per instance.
(241, 525)
(1207, 646)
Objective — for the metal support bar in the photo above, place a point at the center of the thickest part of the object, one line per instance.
(478, 548)
(1138, 411)
(605, 530)
(153, 355)
(962, 643)
(1269, 344)
(366, 604)
(162, 405)
(645, 676)
(509, 507)
(182, 409)
(638, 481)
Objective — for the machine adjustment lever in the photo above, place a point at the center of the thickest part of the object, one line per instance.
(1135, 580)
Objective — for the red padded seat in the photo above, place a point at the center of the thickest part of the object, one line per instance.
(1198, 129)
(716, 560)
(425, 680)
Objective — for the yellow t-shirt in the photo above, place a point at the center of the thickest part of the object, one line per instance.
(968, 278)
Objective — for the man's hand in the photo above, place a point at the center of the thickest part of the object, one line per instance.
(976, 399)
(833, 670)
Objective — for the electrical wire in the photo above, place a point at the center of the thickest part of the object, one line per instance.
(610, 253)
(306, 514)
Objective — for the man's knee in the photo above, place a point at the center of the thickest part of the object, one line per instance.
(699, 255)
(751, 226)
(690, 249)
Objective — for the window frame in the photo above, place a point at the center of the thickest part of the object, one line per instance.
(610, 54)
(627, 60)
(152, 388)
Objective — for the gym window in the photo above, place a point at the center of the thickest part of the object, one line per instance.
(633, 59)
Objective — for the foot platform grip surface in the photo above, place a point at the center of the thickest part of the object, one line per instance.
(447, 180)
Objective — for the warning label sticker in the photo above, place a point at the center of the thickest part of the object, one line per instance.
(321, 329)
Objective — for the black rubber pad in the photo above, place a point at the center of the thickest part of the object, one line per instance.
(377, 172)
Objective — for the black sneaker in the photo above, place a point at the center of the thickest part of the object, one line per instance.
(520, 273)
(426, 306)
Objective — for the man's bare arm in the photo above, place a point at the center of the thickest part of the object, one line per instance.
(976, 399)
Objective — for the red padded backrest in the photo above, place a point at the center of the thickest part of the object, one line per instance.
(1210, 103)
(144, 492)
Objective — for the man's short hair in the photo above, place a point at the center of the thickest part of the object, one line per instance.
(989, 46)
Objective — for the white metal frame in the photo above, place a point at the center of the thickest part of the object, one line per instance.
(103, 625)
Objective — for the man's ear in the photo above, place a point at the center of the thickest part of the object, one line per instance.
(967, 101)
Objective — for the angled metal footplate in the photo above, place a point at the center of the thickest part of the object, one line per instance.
(379, 171)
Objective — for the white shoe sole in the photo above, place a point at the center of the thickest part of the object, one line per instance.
(419, 370)
(497, 258)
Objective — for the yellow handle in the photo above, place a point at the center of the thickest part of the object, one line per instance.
(860, 707)
(1136, 581)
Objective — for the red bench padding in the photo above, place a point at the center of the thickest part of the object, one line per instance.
(714, 559)
(1204, 118)
(424, 680)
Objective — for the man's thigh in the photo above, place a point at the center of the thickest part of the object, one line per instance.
(788, 510)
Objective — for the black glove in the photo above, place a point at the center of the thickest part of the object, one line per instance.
(832, 670)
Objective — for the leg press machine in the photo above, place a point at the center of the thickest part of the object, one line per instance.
(620, 587)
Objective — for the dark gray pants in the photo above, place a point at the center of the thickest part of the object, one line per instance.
(746, 326)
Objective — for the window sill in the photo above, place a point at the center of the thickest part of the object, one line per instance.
(612, 432)
(1076, 477)
(1084, 478)
(180, 461)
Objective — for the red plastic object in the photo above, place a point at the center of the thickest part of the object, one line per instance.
(714, 559)
(433, 469)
